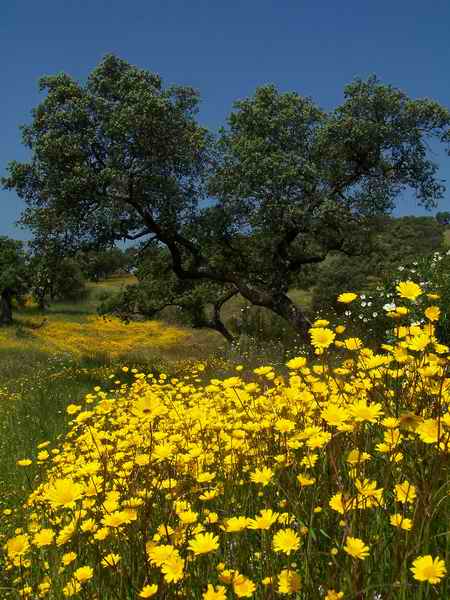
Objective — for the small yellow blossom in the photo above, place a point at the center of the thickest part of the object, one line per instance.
(204, 543)
(173, 569)
(286, 540)
(243, 587)
(399, 520)
(83, 574)
(111, 560)
(264, 520)
(218, 593)
(427, 568)
(356, 548)
(148, 590)
(409, 290)
(347, 297)
(321, 337)
(296, 363)
(289, 582)
(433, 313)
(44, 537)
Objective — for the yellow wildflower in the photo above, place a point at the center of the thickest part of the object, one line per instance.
(286, 540)
(356, 548)
(346, 297)
(204, 543)
(409, 290)
(243, 587)
(425, 568)
(148, 590)
(218, 593)
(289, 582)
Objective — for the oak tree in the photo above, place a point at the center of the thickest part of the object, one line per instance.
(283, 184)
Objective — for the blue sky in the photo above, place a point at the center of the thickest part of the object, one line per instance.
(225, 50)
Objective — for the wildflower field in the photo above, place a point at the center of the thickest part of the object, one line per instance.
(325, 479)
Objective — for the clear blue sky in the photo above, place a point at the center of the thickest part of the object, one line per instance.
(225, 49)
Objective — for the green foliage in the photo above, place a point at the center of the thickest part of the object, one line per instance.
(56, 278)
(69, 282)
(443, 218)
(401, 240)
(89, 143)
(335, 276)
(434, 274)
(13, 266)
(104, 263)
(123, 158)
(405, 239)
(14, 276)
(197, 303)
(262, 327)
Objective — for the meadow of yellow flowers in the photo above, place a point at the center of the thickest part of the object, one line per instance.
(97, 335)
(329, 480)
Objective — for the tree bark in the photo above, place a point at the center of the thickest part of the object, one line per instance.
(41, 303)
(280, 304)
(217, 322)
(39, 294)
(219, 326)
(284, 307)
(6, 307)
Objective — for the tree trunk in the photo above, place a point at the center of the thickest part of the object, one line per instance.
(217, 322)
(40, 294)
(6, 307)
(41, 303)
(284, 307)
(280, 304)
(219, 326)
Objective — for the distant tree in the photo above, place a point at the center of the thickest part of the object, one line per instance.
(46, 255)
(55, 279)
(104, 263)
(443, 218)
(55, 271)
(69, 282)
(123, 158)
(394, 242)
(43, 269)
(14, 276)
(404, 239)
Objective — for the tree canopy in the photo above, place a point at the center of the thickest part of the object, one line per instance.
(283, 184)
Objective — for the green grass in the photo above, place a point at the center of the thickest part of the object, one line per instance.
(446, 240)
(32, 412)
